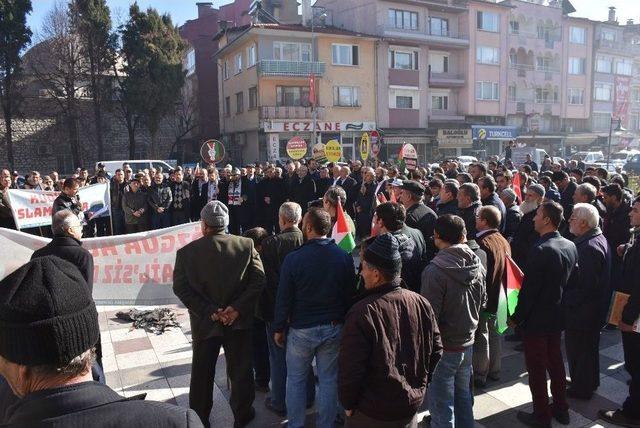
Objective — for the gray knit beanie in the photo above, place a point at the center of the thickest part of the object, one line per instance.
(215, 214)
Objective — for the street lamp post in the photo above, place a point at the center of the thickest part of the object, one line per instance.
(314, 111)
(618, 129)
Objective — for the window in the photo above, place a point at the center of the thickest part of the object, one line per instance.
(190, 63)
(438, 26)
(602, 91)
(603, 64)
(227, 106)
(292, 96)
(239, 102)
(513, 59)
(287, 51)
(487, 91)
(601, 121)
(238, 64)
(624, 66)
(635, 94)
(404, 19)
(578, 35)
(576, 96)
(488, 21)
(487, 55)
(440, 102)
(345, 54)
(345, 96)
(608, 35)
(404, 102)
(404, 99)
(252, 56)
(511, 93)
(514, 27)
(253, 98)
(225, 70)
(544, 63)
(576, 65)
(439, 62)
(403, 60)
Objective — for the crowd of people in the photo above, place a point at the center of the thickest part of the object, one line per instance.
(414, 315)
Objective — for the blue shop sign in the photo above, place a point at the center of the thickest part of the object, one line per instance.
(482, 132)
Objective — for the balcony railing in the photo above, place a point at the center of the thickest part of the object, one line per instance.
(448, 37)
(611, 45)
(290, 112)
(268, 67)
(446, 79)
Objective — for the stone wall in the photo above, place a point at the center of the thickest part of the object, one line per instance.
(40, 139)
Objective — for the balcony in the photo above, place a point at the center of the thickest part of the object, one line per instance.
(617, 47)
(446, 80)
(290, 112)
(446, 39)
(445, 115)
(268, 67)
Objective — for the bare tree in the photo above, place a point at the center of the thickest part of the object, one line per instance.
(186, 120)
(57, 62)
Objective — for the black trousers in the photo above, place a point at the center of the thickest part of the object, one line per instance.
(260, 353)
(583, 357)
(631, 345)
(237, 353)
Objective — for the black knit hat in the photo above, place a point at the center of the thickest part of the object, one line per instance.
(384, 253)
(47, 316)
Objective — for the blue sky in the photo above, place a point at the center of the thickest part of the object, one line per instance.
(182, 10)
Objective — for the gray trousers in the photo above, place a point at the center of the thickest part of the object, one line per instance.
(487, 349)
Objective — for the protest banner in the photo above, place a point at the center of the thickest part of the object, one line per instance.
(33, 208)
(134, 269)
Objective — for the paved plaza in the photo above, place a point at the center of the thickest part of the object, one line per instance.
(136, 362)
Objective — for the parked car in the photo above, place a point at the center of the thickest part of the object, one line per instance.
(588, 158)
(467, 160)
(633, 165)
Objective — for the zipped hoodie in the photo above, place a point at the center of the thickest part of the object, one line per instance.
(454, 284)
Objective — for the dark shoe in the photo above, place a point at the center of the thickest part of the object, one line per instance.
(616, 417)
(426, 422)
(262, 388)
(562, 417)
(531, 420)
(519, 347)
(245, 421)
(571, 393)
(479, 383)
(269, 406)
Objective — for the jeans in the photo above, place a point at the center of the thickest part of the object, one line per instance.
(450, 398)
(278, 373)
(323, 343)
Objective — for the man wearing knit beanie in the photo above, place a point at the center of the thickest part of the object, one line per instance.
(371, 363)
(48, 331)
(219, 278)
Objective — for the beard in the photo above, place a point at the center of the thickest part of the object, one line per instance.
(528, 206)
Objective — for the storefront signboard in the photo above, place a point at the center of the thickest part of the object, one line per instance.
(454, 138)
(321, 126)
(273, 148)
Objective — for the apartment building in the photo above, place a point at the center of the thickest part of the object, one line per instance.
(266, 86)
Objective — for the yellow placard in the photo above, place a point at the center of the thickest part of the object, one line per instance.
(333, 151)
(365, 146)
(296, 148)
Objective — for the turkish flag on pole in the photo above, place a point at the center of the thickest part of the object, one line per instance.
(516, 186)
(312, 90)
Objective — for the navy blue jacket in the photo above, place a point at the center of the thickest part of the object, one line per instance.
(495, 201)
(549, 265)
(317, 283)
(587, 293)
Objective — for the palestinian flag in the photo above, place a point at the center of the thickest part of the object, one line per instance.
(341, 233)
(508, 298)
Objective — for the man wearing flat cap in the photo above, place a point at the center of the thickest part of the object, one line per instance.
(48, 331)
(419, 216)
(219, 278)
(376, 361)
(525, 235)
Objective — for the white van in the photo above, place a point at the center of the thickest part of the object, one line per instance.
(136, 165)
(519, 155)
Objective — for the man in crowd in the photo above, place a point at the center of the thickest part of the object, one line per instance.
(274, 251)
(199, 193)
(468, 206)
(477, 170)
(219, 278)
(390, 218)
(349, 185)
(616, 227)
(567, 188)
(629, 414)
(586, 193)
(539, 315)
(323, 182)
(454, 284)
(317, 282)
(134, 205)
(487, 348)
(514, 215)
(117, 189)
(6, 215)
(526, 236)
(489, 197)
(376, 362)
(50, 327)
(583, 301)
(448, 203)
(419, 216)
(504, 180)
(68, 199)
(180, 199)
(531, 163)
(330, 200)
(160, 199)
(303, 188)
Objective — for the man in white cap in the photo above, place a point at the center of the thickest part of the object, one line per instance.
(219, 278)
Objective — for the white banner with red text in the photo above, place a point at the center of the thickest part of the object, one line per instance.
(33, 208)
(134, 269)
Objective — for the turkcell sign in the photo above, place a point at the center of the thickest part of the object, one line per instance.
(482, 132)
